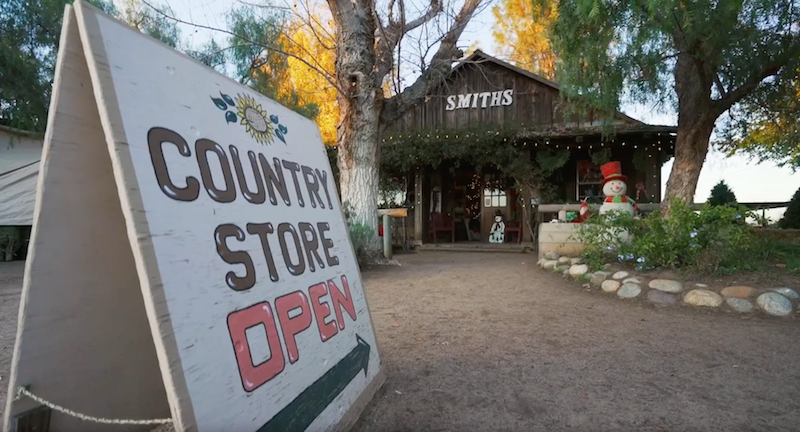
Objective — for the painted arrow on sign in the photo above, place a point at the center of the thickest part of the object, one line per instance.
(298, 415)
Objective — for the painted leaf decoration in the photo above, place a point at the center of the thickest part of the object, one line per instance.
(230, 117)
(279, 134)
(220, 103)
(274, 119)
(227, 99)
(283, 129)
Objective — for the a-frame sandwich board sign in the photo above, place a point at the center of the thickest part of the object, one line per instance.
(189, 257)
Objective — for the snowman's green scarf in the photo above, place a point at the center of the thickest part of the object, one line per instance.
(619, 199)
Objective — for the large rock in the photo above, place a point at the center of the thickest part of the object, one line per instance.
(666, 285)
(738, 291)
(574, 261)
(701, 297)
(629, 290)
(578, 270)
(659, 297)
(620, 275)
(549, 264)
(787, 292)
(552, 256)
(599, 277)
(739, 304)
(774, 304)
(610, 286)
(564, 260)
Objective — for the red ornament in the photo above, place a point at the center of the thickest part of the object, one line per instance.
(612, 171)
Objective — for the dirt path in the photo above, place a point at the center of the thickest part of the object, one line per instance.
(10, 290)
(486, 342)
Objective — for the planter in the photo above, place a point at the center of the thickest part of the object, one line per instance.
(560, 238)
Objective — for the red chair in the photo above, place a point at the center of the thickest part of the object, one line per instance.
(514, 227)
(442, 223)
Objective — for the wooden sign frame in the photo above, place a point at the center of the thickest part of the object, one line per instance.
(101, 330)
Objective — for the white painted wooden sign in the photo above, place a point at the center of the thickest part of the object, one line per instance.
(189, 257)
(480, 100)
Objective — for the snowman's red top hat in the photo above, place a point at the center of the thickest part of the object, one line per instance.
(612, 171)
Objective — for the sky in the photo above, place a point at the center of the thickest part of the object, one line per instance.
(751, 182)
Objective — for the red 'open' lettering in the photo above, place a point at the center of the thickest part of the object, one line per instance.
(342, 300)
(293, 326)
(322, 311)
(253, 376)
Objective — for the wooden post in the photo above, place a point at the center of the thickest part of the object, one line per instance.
(652, 178)
(387, 236)
(527, 212)
(418, 207)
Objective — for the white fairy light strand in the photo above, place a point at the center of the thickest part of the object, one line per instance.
(22, 391)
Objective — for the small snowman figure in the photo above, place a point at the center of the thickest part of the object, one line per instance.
(498, 231)
(614, 188)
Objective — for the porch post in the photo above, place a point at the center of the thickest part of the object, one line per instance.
(653, 177)
(418, 207)
(527, 212)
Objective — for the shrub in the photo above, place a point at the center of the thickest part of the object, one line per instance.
(715, 239)
(10, 241)
(360, 233)
(721, 194)
(791, 219)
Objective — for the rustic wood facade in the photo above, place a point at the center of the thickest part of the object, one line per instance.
(486, 92)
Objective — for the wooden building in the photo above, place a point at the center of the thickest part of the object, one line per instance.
(489, 114)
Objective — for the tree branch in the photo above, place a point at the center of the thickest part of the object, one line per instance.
(394, 32)
(324, 74)
(722, 104)
(439, 67)
(720, 87)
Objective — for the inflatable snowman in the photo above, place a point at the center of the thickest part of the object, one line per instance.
(614, 188)
(498, 231)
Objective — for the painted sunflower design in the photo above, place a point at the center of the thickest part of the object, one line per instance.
(255, 119)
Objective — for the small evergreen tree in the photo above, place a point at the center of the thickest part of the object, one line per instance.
(791, 219)
(721, 194)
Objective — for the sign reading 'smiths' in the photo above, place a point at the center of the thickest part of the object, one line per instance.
(250, 283)
(480, 100)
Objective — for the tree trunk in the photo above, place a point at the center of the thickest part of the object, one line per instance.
(360, 106)
(696, 118)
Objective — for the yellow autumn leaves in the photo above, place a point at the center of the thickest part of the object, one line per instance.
(520, 33)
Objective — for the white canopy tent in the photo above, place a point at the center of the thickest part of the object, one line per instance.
(20, 153)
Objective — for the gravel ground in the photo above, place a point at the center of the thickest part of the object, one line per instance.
(10, 290)
(487, 342)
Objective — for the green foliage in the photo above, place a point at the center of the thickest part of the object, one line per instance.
(791, 218)
(265, 70)
(601, 157)
(361, 234)
(767, 125)
(721, 194)
(211, 55)
(152, 21)
(713, 240)
(529, 161)
(10, 241)
(29, 35)
(640, 156)
(721, 52)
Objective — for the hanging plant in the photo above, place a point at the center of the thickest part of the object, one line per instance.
(601, 157)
